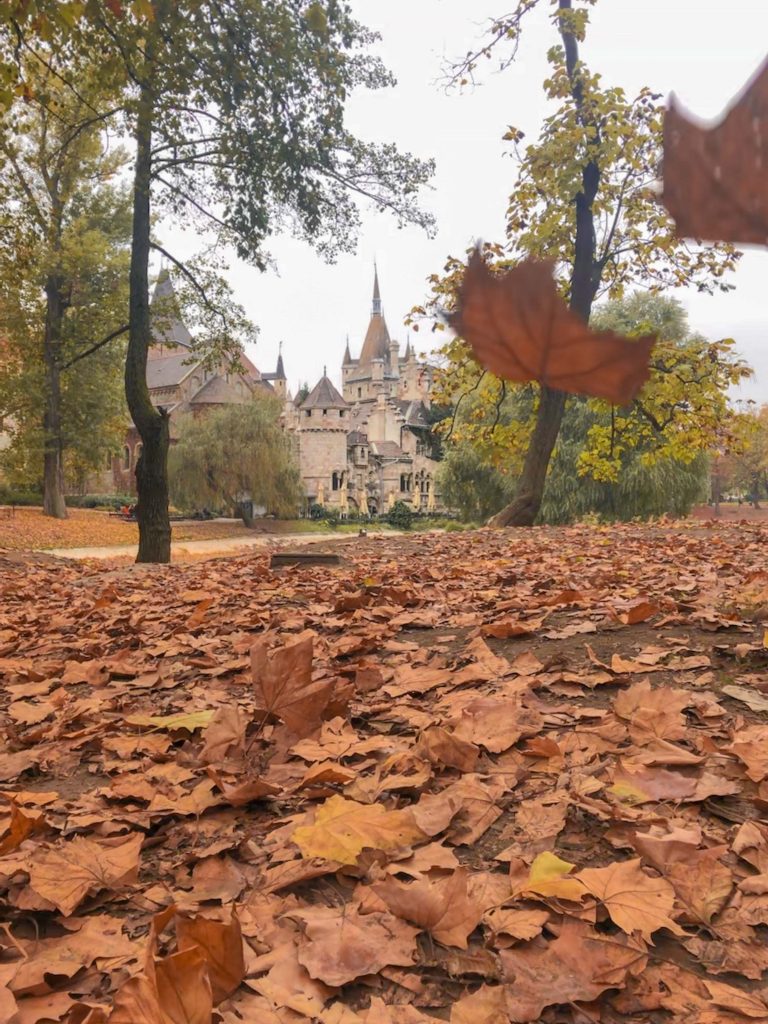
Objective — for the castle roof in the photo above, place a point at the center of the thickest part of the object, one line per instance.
(167, 371)
(324, 396)
(169, 329)
(376, 344)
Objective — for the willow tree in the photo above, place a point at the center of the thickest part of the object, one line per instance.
(237, 456)
(584, 197)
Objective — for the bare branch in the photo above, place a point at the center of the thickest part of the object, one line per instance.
(94, 348)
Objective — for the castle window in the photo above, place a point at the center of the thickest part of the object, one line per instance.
(126, 457)
(137, 451)
(359, 392)
(341, 412)
(309, 413)
(109, 461)
(403, 482)
(335, 482)
(325, 412)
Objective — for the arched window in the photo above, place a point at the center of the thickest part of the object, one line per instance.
(137, 452)
(335, 482)
(126, 457)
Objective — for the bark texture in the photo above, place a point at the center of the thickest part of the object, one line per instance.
(54, 503)
(151, 423)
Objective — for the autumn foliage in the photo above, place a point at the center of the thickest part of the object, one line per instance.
(459, 777)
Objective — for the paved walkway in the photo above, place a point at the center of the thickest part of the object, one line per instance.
(205, 547)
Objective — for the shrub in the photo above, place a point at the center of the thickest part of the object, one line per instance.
(9, 496)
(401, 516)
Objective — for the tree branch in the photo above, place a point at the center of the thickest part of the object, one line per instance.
(94, 348)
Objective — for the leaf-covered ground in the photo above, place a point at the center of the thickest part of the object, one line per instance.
(28, 529)
(503, 776)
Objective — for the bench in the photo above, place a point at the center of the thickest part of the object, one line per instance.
(7, 511)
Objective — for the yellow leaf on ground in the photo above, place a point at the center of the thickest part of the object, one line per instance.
(343, 828)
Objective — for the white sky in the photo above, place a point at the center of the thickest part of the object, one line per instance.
(702, 49)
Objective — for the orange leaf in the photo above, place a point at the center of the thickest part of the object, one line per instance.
(715, 184)
(519, 328)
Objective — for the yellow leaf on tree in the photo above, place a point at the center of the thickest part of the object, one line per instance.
(343, 828)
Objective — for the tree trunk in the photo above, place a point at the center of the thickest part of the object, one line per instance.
(54, 503)
(151, 423)
(524, 509)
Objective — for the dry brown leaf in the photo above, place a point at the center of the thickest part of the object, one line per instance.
(441, 906)
(221, 945)
(577, 966)
(342, 945)
(714, 179)
(635, 901)
(284, 679)
(520, 329)
(67, 873)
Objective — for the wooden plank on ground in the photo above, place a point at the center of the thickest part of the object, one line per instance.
(283, 558)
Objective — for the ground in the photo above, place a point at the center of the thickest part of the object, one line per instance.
(490, 776)
(28, 529)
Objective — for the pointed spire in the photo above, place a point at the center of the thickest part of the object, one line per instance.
(376, 310)
(325, 371)
(280, 371)
(407, 355)
(347, 356)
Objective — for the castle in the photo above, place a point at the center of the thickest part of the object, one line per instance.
(359, 450)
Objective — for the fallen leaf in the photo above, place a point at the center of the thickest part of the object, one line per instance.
(342, 945)
(284, 678)
(441, 906)
(342, 829)
(635, 901)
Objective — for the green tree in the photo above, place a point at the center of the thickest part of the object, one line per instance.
(584, 198)
(236, 109)
(472, 486)
(605, 456)
(233, 456)
(64, 238)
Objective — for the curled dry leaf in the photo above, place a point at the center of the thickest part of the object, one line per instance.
(284, 679)
(714, 179)
(342, 829)
(520, 329)
(441, 906)
(221, 945)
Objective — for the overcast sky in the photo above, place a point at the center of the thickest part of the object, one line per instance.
(702, 49)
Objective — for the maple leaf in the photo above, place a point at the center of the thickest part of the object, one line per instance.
(441, 906)
(576, 966)
(342, 829)
(714, 179)
(284, 677)
(520, 329)
(342, 944)
(635, 901)
(67, 873)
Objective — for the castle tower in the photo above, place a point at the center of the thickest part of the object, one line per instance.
(323, 423)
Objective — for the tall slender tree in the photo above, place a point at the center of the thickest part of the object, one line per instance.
(64, 238)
